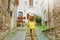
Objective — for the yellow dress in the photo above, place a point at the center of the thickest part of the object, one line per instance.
(31, 24)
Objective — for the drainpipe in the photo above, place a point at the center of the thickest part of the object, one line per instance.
(48, 15)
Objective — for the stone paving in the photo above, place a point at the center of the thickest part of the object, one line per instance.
(20, 35)
(40, 35)
(28, 36)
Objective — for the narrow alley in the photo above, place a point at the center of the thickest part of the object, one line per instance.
(29, 19)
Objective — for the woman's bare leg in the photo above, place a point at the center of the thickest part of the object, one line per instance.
(31, 32)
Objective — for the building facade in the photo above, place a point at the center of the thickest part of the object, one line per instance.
(47, 11)
(57, 18)
(54, 32)
(13, 13)
(4, 18)
(44, 11)
(6, 9)
(29, 6)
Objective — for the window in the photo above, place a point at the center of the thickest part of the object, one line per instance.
(30, 2)
(17, 2)
(10, 13)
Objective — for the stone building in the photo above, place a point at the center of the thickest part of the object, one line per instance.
(44, 11)
(57, 18)
(5, 17)
(47, 11)
(13, 13)
(54, 32)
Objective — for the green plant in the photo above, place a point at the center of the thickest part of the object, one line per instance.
(38, 19)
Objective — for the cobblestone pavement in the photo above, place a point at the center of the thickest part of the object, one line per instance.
(19, 34)
(28, 37)
(22, 33)
(40, 35)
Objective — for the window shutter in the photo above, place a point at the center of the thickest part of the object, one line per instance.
(30, 2)
(17, 2)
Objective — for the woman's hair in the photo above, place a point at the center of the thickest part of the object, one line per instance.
(31, 18)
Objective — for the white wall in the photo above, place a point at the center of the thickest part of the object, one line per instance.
(25, 6)
(37, 8)
(14, 14)
(51, 10)
(44, 6)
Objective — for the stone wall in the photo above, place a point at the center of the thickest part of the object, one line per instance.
(4, 18)
(54, 33)
(13, 12)
(57, 18)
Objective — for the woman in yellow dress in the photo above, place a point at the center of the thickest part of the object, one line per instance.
(31, 25)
